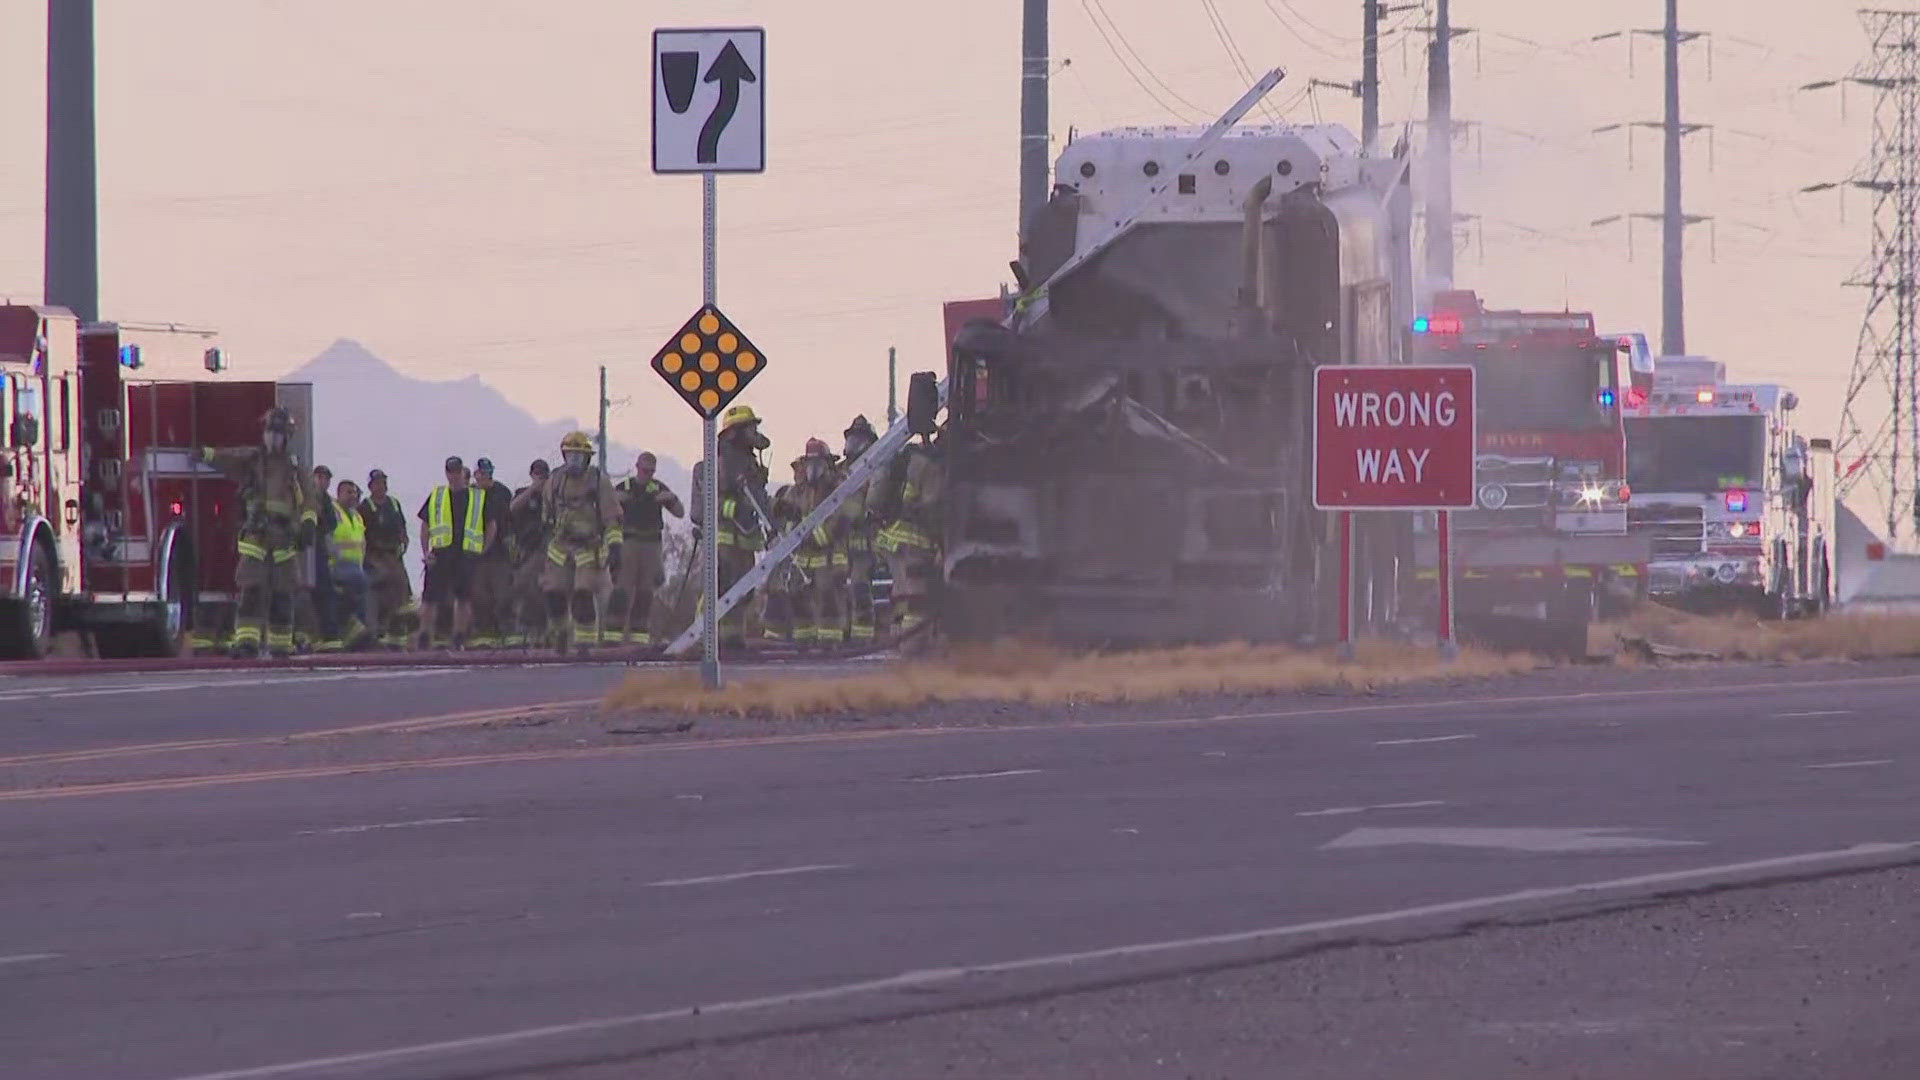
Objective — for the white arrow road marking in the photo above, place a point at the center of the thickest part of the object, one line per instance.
(1531, 840)
(1342, 811)
(1416, 742)
(1853, 764)
(720, 879)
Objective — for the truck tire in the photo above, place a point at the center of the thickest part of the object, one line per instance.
(26, 624)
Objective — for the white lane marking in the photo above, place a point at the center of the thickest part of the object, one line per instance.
(210, 684)
(1415, 742)
(363, 915)
(28, 958)
(913, 980)
(1525, 839)
(1342, 811)
(423, 823)
(974, 776)
(1814, 712)
(1852, 764)
(720, 879)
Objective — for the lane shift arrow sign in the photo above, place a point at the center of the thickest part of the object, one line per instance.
(729, 69)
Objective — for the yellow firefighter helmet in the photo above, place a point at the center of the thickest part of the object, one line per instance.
(576, 440)
(739, 414)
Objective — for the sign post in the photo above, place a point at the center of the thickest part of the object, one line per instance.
(709, 117)
(1394, 437)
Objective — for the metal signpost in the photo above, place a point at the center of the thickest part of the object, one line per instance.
(1394, 437)
(709, 117)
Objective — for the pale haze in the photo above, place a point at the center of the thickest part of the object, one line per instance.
(465, 187)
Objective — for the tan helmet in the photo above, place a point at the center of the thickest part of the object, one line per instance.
(576, 441)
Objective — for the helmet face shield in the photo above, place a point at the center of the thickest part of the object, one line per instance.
(577, 459)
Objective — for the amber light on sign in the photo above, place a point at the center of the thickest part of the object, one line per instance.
(709, 361)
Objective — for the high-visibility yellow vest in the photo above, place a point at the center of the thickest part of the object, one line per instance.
(349, 536)
(473, 531)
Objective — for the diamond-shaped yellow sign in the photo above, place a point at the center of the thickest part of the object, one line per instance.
(708, 362)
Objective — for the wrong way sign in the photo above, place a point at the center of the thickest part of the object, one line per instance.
(1393, 437)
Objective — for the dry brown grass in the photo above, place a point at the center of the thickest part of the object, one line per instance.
(1041, 675)
(1745, 637)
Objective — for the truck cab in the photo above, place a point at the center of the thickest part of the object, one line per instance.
(1132, 466)
(1725, 491)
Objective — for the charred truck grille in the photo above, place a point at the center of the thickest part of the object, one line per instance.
(1677, 531)
(1510, 493)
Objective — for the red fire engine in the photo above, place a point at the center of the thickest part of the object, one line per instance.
(1547, 539)
(109, 524)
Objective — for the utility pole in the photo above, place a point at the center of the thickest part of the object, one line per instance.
(72, 267)
(893, 386)
(1673, 232)
(1879, 443)
(1673, 216)
(1033, 110)
(1370, 72)
(603, 417)
(1440, 151)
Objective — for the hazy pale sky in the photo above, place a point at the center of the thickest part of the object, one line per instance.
(464, 186)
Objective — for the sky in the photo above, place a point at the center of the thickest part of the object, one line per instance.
(464, 187)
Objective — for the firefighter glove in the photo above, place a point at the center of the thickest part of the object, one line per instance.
(613, 558)
(308, 530)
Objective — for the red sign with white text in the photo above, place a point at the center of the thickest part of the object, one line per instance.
(1393, 437)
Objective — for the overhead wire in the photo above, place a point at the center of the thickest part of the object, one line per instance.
(1234, 55)
(1111, 33)
(1302, 38)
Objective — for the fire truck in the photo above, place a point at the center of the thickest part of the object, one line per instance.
(1547, 540)
(1729, 493)
(109, 523)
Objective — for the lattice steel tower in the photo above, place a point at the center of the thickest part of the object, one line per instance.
(1879, 440)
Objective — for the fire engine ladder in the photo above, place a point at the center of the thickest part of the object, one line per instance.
(865, 468)
(881, 454)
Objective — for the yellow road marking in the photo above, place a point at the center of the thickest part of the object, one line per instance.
(573, 754)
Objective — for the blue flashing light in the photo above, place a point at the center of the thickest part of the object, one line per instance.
(1736, 502)
(1606, 398)
(130, 357)
(1421, 325)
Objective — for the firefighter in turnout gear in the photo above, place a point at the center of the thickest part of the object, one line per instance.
(856, 537)
(583, 544)
(281, 518)
(911, 498)
(643, 503)
(744, 522)
(819, 595)
(776, 614)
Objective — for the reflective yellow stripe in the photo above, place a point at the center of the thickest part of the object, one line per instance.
(281, 555)
(250, 550)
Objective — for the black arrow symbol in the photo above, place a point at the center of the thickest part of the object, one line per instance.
(729, 70)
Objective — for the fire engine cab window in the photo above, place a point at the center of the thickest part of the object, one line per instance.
(26, 406)
(1695, 454)
(1536, 388)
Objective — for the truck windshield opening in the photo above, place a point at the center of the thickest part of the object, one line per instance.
(1530, 389)
(1694, 453)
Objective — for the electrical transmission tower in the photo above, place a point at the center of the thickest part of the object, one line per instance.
(1879, 440)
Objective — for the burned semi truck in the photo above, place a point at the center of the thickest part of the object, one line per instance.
(1132, 464)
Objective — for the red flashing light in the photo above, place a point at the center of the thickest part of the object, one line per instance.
(1736, 501)
(1636, 397)
(177, 508)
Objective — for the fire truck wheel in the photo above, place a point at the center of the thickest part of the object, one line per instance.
(26, 625)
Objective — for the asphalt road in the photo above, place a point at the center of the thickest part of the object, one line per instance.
(504, 919)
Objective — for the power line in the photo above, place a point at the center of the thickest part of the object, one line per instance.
(1303, 39)
(1110, 33)
(1234, 55)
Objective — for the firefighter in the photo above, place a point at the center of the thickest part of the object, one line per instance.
(910, 543)
(453, 533)
(527, 539)
(777, 610)
(583, 543)
(821, 559)
(386, 561)
(744, 522)
(643, 502)
(353, 611)
(281, 518)
(493, 571)
(857, 536)
(316, 605)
